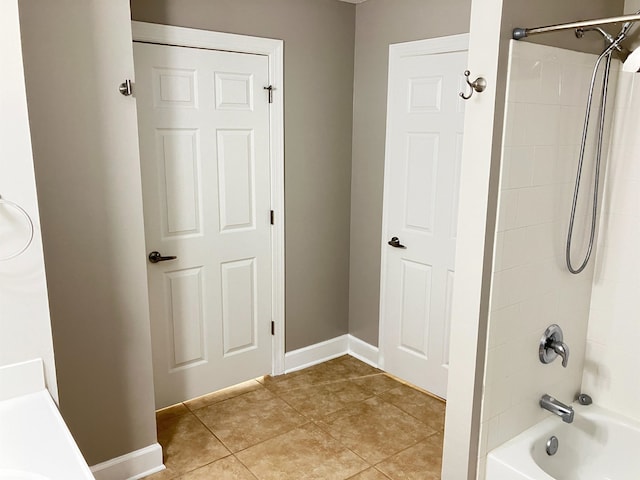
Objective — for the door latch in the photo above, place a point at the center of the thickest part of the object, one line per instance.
(155, 257)
(395, 242)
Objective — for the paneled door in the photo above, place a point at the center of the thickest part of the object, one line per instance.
(424, 144)
(204, 144)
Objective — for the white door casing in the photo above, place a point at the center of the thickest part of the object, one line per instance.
(207, 166)
(425, 119)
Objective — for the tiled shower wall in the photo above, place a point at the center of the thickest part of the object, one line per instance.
(613, 340)
(532, 289)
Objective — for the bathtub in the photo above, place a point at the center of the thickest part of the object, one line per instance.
(598, 445)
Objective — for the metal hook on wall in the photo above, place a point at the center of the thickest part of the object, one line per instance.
(478, 85)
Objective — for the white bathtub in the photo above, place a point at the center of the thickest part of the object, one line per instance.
(598, 445)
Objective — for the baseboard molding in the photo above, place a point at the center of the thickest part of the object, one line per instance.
(329, 349)
(131, 466)
(316, 353)
(363, 351)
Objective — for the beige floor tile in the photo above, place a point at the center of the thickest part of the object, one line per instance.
(425, 408)
(336, 370)
(370, 474)
(321, 400)
(186, 445)
(221, 395)
(249, 419)
(356, 408)
(375, 429)
(420, 462)
(228, 468)
(377, 383)
(355, 366)
(171, 412)
(305, 452)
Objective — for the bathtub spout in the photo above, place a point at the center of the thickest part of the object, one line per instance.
(556, 407)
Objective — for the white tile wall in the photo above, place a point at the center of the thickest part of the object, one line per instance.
(547, 90)
(613, 340)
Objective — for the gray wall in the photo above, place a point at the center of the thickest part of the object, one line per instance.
(85, 150)
(318, 47)
(378, 24)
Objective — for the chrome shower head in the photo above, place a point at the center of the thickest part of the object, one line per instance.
(610, 39)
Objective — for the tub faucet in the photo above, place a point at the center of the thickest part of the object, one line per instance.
(556, 407)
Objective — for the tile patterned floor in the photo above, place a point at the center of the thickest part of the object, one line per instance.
(338, 420)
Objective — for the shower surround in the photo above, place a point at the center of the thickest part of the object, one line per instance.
(613, 338)
(547, 91)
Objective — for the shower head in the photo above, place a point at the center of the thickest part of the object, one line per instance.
(624, 53)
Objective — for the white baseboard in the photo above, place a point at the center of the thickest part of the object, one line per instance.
(363, 351)
(131, 466)
(316, 353)
(329, 349)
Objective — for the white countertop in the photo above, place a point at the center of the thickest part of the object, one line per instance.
(35, 443)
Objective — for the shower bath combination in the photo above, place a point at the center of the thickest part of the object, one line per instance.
(614, 47)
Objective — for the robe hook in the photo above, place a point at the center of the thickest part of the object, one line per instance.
(478, 85)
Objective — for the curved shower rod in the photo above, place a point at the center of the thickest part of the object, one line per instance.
(520, 33)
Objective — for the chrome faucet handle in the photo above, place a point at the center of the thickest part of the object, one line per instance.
(552, 345)
(562, 350)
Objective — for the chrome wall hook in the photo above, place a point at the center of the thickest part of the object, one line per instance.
(126, 88)
(478, 85)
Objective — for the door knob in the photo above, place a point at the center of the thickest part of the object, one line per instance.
(155, 257)
(395, 242)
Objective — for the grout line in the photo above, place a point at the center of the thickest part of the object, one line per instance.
(245, 466)
(283, 394)
(320, 384)
(214, 435)
(404, 449)
(220, 401)
(411, 385)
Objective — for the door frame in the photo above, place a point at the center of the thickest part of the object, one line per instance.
(274, 51)
(431, 46)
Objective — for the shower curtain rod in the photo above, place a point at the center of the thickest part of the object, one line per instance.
(520, 33)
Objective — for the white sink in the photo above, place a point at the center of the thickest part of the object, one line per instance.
(19, 475)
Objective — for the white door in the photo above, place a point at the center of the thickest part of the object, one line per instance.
(204, 145)
(424, 144)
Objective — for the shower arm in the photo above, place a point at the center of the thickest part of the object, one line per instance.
(520, 33)
(624, 53)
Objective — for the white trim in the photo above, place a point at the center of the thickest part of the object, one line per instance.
(329, 349)
(363, 351)
(21, 378)
(131, 466)
(274, 51)
(316, 353)
(431, 46)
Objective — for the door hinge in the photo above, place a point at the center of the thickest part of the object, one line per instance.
(273, 327)
(270, 88)
(272, 217)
